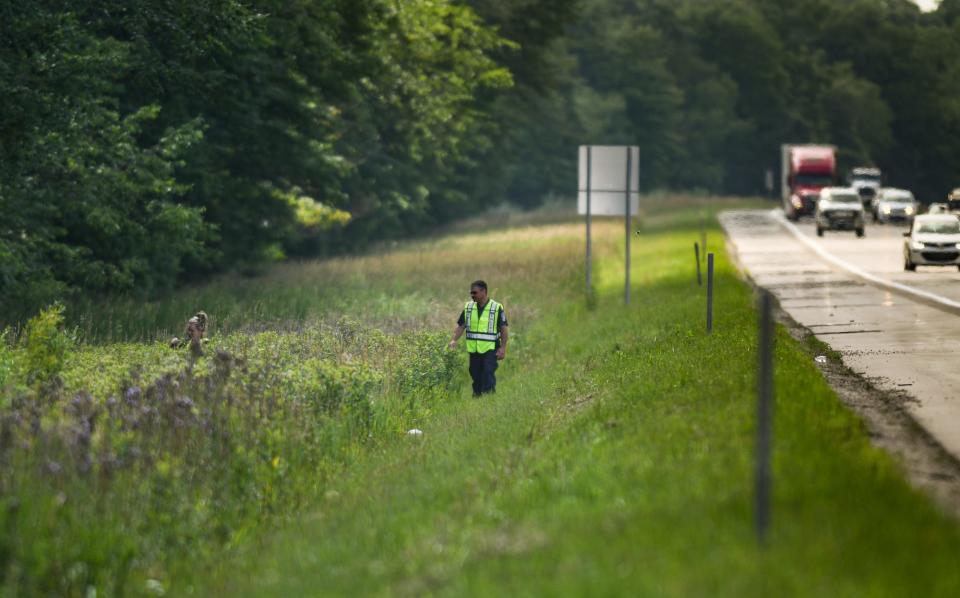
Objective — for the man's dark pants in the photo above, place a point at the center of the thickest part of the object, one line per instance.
(482, 368)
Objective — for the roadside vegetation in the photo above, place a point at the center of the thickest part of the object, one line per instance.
(617, 458)
(128, 465)
(614, 458)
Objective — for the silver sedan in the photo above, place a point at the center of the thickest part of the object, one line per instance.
(933, 240)
(894, 205)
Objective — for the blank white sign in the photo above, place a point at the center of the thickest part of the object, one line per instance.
(608, 180)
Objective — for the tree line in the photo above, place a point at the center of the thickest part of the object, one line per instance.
(148, 143)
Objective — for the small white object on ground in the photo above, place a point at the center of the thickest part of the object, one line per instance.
(820, 359)
(155, 587)
(415, 432)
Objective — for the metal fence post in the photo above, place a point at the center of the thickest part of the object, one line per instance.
(709, 292)
(703, 234)
(764, 416)
(696, 256)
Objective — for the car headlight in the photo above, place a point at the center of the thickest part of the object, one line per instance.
(885, 209)
(908, 210)
(916, 245)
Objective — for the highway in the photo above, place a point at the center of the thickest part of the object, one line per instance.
(899, 329)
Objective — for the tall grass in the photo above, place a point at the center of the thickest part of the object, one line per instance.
(397, 285)
(118, 471)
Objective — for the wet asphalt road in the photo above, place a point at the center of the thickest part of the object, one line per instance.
(855, 296)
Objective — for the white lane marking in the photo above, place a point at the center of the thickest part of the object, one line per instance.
(856, 271)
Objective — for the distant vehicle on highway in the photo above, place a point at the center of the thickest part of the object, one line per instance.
(866, 180)
(804, 171)
(933, 240)
(953, 201)
(951, 206)
(839, 208)
(894, 205)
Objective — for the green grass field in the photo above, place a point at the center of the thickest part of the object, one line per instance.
(616, 457)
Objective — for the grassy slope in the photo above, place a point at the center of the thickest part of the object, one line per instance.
(387, 287)
(616, 458)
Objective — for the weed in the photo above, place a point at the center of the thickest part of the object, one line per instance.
(45, 345)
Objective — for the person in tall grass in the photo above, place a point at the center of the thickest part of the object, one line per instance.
(193, 334)
(485, 323)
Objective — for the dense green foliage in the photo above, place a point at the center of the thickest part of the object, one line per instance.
(150, 143)
(146, 142)
(709, 90)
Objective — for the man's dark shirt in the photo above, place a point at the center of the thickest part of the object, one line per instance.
(501, 319)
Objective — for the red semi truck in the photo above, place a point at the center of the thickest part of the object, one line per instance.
(804, 171)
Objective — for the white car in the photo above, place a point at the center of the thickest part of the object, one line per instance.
(839, 208)
(933, 240)
(894, 205)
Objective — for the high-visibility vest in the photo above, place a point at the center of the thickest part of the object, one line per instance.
(482, 332)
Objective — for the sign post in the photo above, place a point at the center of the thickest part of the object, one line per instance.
(589, 258)
(609, 185)
(626, 222)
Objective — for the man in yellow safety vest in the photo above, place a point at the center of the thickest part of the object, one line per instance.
(486, 326)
